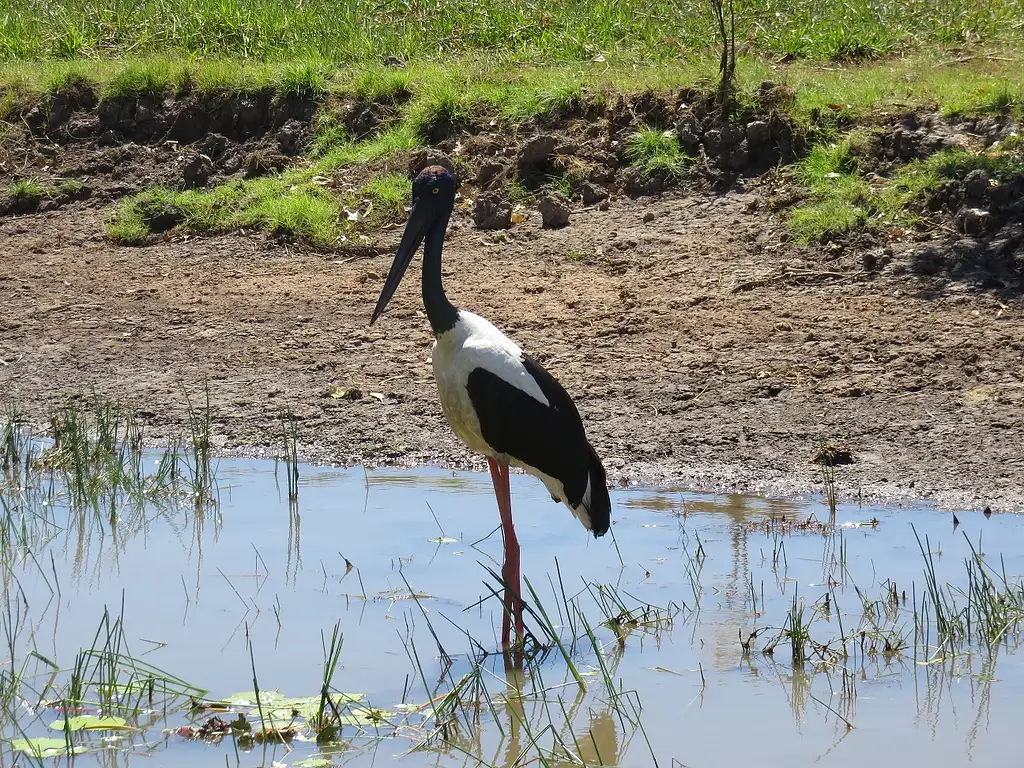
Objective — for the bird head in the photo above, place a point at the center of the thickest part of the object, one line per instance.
(433, 198)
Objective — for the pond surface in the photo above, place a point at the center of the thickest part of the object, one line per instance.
(258, 584)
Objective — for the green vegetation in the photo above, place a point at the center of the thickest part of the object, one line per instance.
(27, 190)
(840, 198)
(467, 60)
(304, 201)
(362, 30)
(30, 191)
(955, 84)
(296, 203)
(657, 152)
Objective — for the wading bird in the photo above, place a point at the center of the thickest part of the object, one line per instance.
(498, 400)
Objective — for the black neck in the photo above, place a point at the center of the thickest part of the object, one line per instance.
(440, 312)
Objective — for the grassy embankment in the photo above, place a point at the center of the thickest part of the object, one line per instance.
(516, 62)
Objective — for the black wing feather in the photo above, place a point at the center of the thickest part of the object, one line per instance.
(550, 437)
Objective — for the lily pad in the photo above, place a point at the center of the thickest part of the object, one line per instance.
(45, 747)
(280, 707)
(313, 762)
(92, 723)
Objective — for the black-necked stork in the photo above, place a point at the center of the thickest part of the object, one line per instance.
(498, 400)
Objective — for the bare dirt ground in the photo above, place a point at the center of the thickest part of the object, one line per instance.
(702, 347)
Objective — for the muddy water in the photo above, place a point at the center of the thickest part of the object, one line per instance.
(193, 590)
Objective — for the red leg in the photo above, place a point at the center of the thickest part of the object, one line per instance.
(510, 569)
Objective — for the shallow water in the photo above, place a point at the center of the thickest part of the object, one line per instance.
(193, 591)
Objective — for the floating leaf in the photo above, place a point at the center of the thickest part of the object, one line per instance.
(92, 723)
(443, 540)
(45, 747)
(313, 762)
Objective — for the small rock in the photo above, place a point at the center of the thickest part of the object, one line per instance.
(732, 134)
(363, 118)
(1001, 194)
(289, 137)
(492, 211)
(212, 145)
(83, 126)
(538, 150)
(712, 142)
(488, 172)
(648, 217)
(554, 211)
(688, 138)
(737, 158)
(262, 163)
(972, 221)
(592, 193)
(757, 133)
(636, 182)
(196, 170)
(604, 206)
(976, 184)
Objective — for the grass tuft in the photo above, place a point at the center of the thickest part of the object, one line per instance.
(305, 80)
(26, 190)
(149, 79)
(657, 152)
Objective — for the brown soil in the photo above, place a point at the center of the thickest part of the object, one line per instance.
(701, 346)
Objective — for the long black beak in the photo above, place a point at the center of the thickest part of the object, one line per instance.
(415, 231)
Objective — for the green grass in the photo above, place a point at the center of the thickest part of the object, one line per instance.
(838, 196)
(363, 30)
(425, 94)
(167, 47)
(295, 204)
(841, 200)
(657, 152)
(948, 81)
(27, 189)
(32, 191)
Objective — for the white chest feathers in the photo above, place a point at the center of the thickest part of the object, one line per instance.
(473, 344)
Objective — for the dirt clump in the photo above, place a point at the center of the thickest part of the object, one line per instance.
(492, 211)
(554, 211)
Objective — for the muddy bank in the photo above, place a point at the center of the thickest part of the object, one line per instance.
(700, 348)
(702, 345)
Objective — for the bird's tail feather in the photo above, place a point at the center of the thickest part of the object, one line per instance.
(597, 501)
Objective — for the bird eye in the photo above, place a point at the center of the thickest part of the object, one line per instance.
(435, 190)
